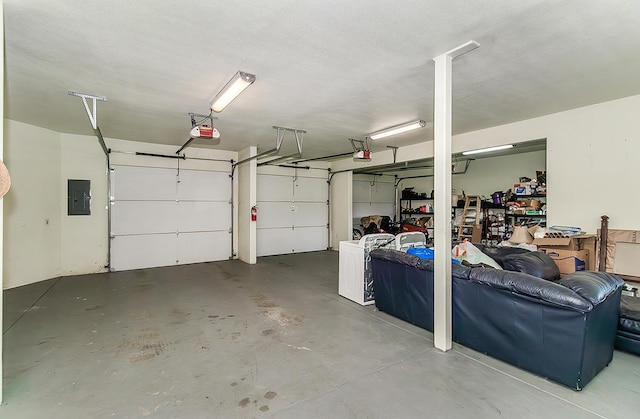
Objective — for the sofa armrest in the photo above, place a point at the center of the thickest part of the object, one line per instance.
(591, 285)
(395, 256)
(531, 286)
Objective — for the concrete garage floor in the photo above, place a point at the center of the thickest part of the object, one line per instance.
(230, 340)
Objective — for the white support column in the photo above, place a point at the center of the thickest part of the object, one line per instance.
(247, 174)
(1, 201)
(442, 191)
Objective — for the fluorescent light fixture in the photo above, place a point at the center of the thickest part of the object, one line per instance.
(231, 90)
(487, 150)
(397, 129)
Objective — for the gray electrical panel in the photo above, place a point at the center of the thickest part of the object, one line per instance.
(78, 197)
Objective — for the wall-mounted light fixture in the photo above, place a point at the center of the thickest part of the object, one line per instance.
(398, 129)
(487, 150)
(231, 90)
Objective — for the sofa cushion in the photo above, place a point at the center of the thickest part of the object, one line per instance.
(594, 286)
(533, 263)
(630, 315)
(529, 285)
(457, 270)
(396, 256)
(498, 253)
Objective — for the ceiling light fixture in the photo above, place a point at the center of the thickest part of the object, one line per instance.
(231, 90)
(398, 129)
(487, 150)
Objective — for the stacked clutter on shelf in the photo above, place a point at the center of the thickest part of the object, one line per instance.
(528, 186)
(527, 207)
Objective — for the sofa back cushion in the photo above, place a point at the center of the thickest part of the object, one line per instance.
(593, 286)
(529, 285)
(533, 263)
(395, 256)
(499, 253)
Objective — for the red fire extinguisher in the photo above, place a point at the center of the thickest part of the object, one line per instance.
(254, 213)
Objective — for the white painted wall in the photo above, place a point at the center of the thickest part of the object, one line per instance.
(341, 205)
(40, 162)
(83, 238)
(246, 173)
(32, 247)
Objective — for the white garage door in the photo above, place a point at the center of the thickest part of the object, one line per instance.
(163, 217)
(373, 198)
(292, 214)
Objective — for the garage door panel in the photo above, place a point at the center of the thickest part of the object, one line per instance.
(143, 251)
(203, 246)
(275, 214)
(311, 190)
(143, 217)
(203, 216)
(363, 209)
(276, 241)
(274, 188)
(383, 192)
(363, 191)
(204, 186)
(309, 239)
(285, 201)
(143, 183)
(310, 214)
(149, 209)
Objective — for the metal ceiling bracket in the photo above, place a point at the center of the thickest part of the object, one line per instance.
(280, 131)
(359, 145)
(299, 135)
(395, 151)
(93, 112)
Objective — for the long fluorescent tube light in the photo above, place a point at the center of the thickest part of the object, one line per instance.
(487, 150)
(231, 90)
(397, 129)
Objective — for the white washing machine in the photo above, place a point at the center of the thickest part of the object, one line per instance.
(355, 280)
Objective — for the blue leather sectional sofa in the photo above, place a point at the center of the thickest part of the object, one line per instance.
(564, 329)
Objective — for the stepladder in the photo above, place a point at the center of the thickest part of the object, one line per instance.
(469, 226)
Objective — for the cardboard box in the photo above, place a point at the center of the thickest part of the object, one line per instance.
(476, 233)
(580, 242)
(568, 261)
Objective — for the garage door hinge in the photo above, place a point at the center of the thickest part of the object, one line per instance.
(230, 230)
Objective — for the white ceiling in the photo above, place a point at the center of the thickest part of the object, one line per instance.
(336, 69)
